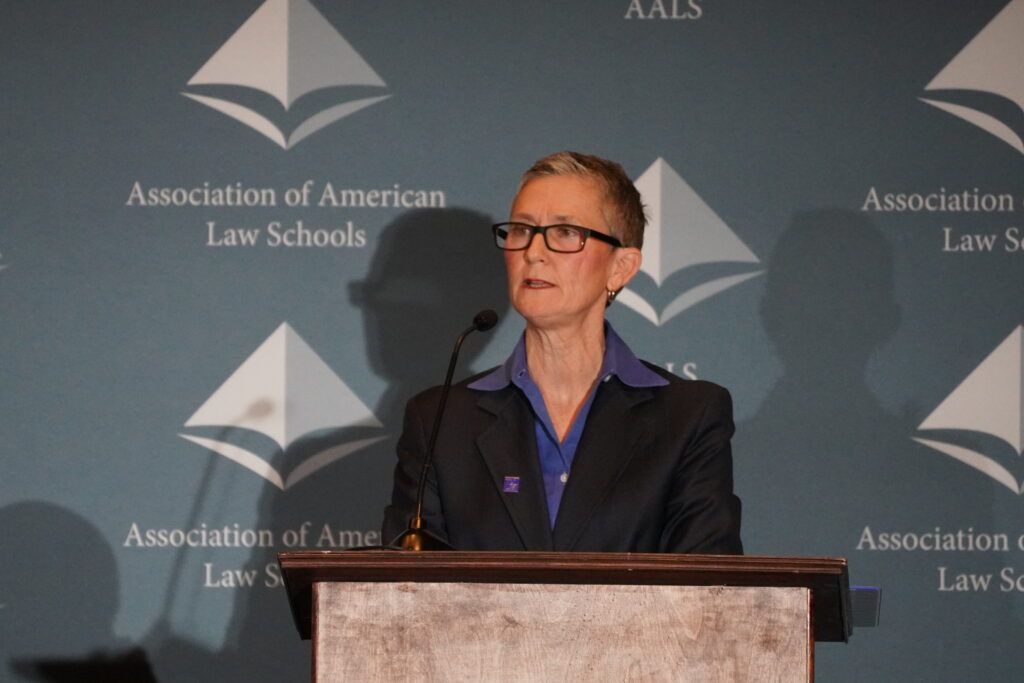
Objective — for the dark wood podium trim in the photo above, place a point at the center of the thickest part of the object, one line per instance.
(827, 578)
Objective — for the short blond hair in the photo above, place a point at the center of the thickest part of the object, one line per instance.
(627, 219)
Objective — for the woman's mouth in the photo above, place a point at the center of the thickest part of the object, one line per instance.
(537, 284)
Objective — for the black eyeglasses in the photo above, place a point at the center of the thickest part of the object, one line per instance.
(563, 238)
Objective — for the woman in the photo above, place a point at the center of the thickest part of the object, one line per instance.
(573, 444)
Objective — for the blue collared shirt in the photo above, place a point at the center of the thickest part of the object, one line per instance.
(556, 456)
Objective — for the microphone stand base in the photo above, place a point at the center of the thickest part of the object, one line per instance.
(420, 539)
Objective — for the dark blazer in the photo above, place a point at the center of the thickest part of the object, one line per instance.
(652, 473)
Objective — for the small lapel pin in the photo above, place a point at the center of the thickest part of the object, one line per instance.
(510, 485)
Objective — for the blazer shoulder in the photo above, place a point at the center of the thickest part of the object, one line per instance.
(460, 390)
(693, 387)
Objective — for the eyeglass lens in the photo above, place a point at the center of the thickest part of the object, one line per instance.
(557, 237)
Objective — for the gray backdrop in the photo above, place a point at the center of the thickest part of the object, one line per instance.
(193, 378)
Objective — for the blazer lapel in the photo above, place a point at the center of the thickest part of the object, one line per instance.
(611, 437)
(509, 447)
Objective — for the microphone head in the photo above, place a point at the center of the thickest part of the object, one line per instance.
(485, 320)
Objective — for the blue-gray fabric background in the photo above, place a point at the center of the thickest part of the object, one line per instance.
(774, 122)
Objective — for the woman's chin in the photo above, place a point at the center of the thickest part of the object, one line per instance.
(548, 318)
(533, 304)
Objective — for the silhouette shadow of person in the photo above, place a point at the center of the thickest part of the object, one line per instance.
(828, 306)
(432, 270)
(822, 463)
(431, 273)
(59, 591)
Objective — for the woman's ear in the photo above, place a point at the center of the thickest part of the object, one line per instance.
(627, 263)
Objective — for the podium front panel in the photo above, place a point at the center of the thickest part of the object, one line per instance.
(417, 631)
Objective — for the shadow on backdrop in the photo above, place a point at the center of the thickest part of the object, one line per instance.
(57, 626)
(431, 272)
(822, 460)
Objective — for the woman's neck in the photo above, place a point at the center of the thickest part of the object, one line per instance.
(564, 363)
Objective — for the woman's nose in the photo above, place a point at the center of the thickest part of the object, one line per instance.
(537, 248)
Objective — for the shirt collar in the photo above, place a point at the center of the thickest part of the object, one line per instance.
(618, 361)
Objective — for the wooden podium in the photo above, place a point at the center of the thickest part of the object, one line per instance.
(382, 615)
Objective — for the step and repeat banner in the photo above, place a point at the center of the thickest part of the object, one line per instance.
(238, 236)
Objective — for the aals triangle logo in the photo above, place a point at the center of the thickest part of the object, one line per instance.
(983, 85)
(286, 50)
(285, 391)
(989, 402)
(686, 237)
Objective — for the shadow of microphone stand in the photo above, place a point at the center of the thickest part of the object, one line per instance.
(161, 629)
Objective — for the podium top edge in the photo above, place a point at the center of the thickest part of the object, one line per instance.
(526, 561)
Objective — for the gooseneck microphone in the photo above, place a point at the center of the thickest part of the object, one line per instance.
(416, 537)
